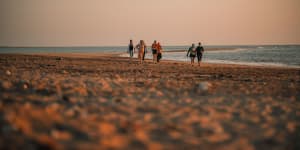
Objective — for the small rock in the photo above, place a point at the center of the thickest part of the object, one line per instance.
(25, 86)
(148, 117)
(70, 113)
(118, 100)
(8, 72)
(107, 128)
(204, 86)
(61, 135)
(64, 72)
(142, 135)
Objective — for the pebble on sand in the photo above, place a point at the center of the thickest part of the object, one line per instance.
(61, 135)
(25, 86)
(8, 72)
(107, 128)
(204, 86)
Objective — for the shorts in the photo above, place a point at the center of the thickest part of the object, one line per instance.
(192, 55)
(154, 51)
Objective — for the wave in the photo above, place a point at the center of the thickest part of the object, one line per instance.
(269, 64)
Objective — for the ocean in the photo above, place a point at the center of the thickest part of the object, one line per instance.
(258, 55)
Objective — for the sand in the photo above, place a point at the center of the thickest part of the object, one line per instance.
(63, 101)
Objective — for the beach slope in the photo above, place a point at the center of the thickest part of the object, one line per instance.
(109, 102)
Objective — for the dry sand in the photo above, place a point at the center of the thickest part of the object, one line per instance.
(104, 102)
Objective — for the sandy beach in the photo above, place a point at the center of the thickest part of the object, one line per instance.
(63, 101)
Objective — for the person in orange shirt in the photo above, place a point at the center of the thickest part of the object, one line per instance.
(154, 51)
(159, 52)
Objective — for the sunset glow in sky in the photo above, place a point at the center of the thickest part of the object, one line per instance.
(173, 22)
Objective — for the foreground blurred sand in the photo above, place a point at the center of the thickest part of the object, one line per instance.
(63, 101)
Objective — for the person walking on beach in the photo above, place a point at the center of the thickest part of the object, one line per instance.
(141, 50)
(130, 49)
(145, 51)
(191, 53)
(159, 52)
(154, 51)
(199, 51)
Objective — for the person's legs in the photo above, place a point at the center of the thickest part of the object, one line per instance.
(154, 53)
(140, 57)
(144, 53)
(199, 59)
(131, 53)
(158, 57)
(153, 56)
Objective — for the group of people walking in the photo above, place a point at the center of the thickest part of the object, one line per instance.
(157, 51)
(142, 50)
(195, 52)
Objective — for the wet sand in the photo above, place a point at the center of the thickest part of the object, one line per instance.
(107, 102)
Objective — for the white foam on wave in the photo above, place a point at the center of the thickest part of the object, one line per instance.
(181, 56)
(262, 64)
(228, 51)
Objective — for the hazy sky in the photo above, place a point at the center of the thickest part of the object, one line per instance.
(173, 22)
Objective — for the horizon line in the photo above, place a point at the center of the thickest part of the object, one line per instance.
(41, 46)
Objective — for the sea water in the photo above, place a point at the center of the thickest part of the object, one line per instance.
(288, 56)
(270, 55)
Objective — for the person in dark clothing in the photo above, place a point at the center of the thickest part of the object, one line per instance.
(154, 51)
(191, 53)
(145, 51)
(199, 52)
(130, 49)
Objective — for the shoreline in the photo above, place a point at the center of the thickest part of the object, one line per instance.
(123, 55)
(225, 62)
(175, 55)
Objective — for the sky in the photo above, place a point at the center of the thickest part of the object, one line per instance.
(172, 22)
